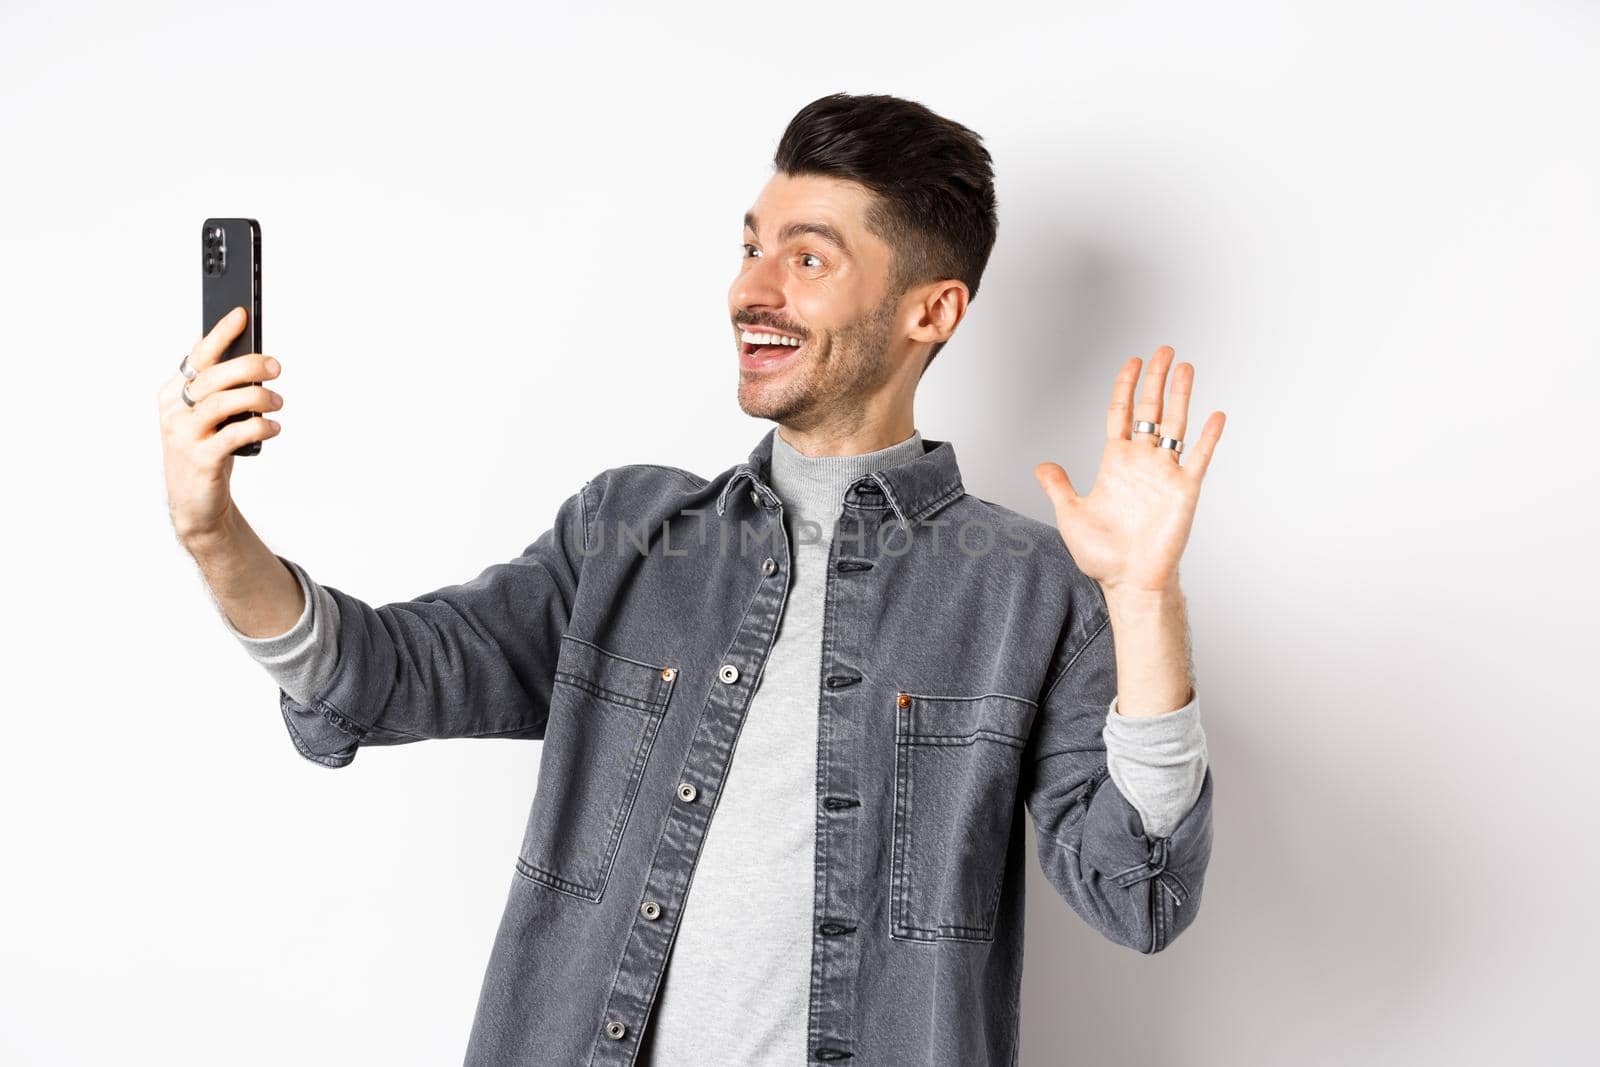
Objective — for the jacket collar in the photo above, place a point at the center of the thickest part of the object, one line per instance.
(914, 489)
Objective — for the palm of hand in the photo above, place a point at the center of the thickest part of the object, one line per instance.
(1129, 531)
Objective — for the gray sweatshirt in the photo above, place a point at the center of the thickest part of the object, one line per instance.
(760, 848)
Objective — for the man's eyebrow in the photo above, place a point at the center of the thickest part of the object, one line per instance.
(794, 229)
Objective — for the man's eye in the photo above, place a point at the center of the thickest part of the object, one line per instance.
(750, 249)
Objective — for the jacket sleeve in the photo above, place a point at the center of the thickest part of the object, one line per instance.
(1137, 890)
(475, 659)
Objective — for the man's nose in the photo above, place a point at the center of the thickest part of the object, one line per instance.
(759, 285)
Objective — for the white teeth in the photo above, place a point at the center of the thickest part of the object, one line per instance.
(768, 339)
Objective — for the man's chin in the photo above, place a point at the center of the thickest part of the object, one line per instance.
(760, 402)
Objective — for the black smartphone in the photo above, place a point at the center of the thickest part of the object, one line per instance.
(232, 278)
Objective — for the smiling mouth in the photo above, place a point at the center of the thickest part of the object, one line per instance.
(761, 357)
(755, 351)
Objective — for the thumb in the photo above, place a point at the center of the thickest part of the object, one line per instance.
(1057, 486)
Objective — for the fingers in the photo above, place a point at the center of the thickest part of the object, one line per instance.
(1175, 415)
(1169, 413)
(204, 358)
(225, 441)
(1148, 409)
(251, 367)
(1120, 414)
(219, 405)
(1199, 457)
(208, 350)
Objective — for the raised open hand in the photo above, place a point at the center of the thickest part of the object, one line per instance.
(1129, 532)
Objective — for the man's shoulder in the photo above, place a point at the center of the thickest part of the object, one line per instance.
(651, 474)
(1039, 535)
(637, 489)
(1035, 543)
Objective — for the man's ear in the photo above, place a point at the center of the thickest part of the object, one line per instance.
(942, 307)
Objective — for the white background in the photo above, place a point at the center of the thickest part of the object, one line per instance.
(498, 243)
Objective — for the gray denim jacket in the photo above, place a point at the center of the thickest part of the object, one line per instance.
(966, 668)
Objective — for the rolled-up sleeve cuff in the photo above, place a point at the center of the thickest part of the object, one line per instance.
(1115, 844)
(319, 732)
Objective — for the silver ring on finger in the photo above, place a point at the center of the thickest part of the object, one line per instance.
(1144, 427)
(187, 399)
(184, 369)
(1173, 443)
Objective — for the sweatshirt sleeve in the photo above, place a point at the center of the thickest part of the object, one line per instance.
(1158, 762)
(303, 657)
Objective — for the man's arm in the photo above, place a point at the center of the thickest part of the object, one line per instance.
(1138, 890)
(1157, 757)
(475, 659)
(256, 592)
(1155, 669)
(1127, 534)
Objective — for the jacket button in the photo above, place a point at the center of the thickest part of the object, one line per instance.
(755, 498)
(904, 700)
(687, 792)
(729, 673)
(615, 1030)
(768, 565)
(650, 910)
(669, 673)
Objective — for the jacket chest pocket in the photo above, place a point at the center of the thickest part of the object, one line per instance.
(605, 712)
(957, 763)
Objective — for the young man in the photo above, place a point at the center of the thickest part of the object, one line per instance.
(793, 713)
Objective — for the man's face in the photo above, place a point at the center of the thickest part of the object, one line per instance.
(811, 270)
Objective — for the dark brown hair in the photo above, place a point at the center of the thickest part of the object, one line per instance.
(932, 180)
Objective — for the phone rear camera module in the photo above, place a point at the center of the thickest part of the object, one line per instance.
(216, 252)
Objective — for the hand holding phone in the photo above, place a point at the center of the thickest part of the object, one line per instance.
(198, 443)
